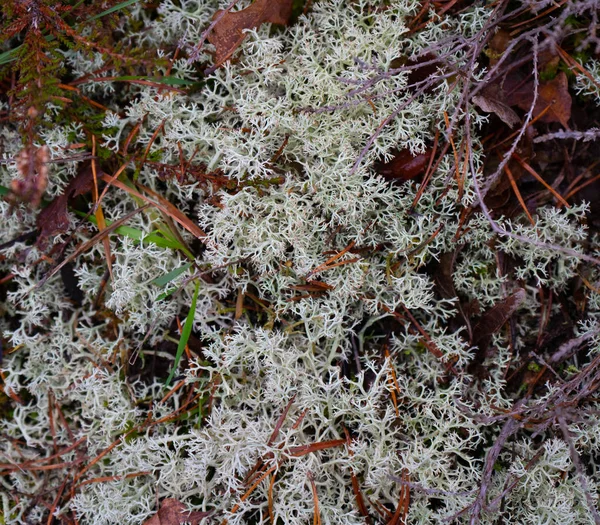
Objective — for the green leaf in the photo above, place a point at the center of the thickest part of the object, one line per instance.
(166, 294)
(9, 56)
(12, 54)
(185, 333)
(173, 81)
(138, 235)
(165, 279)
(4, 191)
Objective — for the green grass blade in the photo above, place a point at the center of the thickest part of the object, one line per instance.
(138, 235)
(166, 294)
(114, 8)
(174, 81)
(185, 333)
(9, 56)
(165, 279)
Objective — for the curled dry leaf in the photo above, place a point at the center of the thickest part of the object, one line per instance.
(494, 318)
(404, 166)
(553, 93)
(53, 219)
(493, 105)
(228, 33)
(32, 164)
(498, 45)
(173, 512)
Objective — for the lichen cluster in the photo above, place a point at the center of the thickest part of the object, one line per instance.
(368, 365)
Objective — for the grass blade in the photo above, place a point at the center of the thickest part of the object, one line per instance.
(185, 334)
(114, 8)
(165, 279)
(136, 234)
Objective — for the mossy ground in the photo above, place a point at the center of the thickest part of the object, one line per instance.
(348, 274)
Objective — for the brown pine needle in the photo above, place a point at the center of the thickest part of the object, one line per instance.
(455, 152)
(177, 387)
(130, 137)
(427, 341)
(573, 64)
(99, 213)
(403, 503)
(581, 186)
(317, 517)
(188, 354)
(360, 502)
(239, 305)
(531, 123)
(539, 178)
(589, 285)
(270, 498)
(302, 450)
(88, 244)
(518, 194)
(280, 421)
(248, 493)
(166, 207)
(430, 169)
(105, 479)
(327, 264)
(152, 139)
(394, 388)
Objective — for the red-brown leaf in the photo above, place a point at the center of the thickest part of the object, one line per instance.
(498, 45)
(492, 320)
(554, 93)
(173, 512)
(228, 33)
(53, 219)
(404, 165)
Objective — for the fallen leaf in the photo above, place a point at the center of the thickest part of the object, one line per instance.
(228, 32)
(497, 46)
(495, 318)
(173, 512)
(404, 165)
(53, 219)
(492, 105)
(556, 94)
(553, 93)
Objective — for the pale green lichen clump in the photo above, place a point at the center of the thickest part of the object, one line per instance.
(265, 239)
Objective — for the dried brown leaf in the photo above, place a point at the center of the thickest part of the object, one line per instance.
(556, 94)
(492, 320)
(54, 219)
(404, 165)
(498, 45)
(492, 105)
(228, 33)
(173, 512)
(553, 93)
